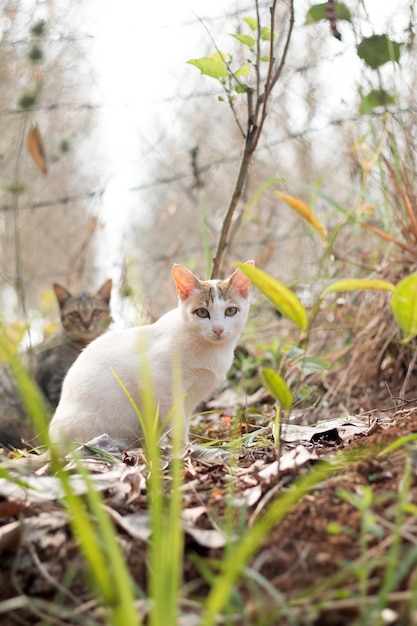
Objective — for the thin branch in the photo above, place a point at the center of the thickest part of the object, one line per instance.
(273, 78)
(253, 133)
(222, 244)
(277, 74)
(258, 49)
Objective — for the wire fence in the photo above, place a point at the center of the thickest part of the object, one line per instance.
(68, 226)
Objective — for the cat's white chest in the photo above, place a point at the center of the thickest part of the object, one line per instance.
(204, 375)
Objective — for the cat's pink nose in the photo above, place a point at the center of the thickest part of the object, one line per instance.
(218, 331)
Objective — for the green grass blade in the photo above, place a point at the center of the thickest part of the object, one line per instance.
(240, 554)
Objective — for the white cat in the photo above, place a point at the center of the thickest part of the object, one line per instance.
(200, 335)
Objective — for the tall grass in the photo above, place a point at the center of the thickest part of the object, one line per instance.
(111, 582)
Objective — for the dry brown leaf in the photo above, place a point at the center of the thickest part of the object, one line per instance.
(137, 525)
(288, 461)
(37, 489)
(10, 536)
(345, 427)
(305, 211)
(35, 146)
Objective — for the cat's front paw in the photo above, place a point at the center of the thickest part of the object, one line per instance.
(204, 453)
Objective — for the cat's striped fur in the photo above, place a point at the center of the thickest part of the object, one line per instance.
(84, 317)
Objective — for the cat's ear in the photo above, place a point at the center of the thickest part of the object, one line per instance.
(241, 282)
(62, 294)
(185, 281)
(105, 290)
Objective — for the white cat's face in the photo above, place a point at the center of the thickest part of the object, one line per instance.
(216, 310)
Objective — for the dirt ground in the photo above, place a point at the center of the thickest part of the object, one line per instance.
(312, 559)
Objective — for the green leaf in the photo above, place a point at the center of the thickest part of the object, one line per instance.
(35, 54)
(213, 66)
(242, 71)
(357, 284)
(317, 12)
(266, 34)
(374, 99)
(27, 100)
(277, 387)
(241, 88)
(313, 365)
(246, 39)
(284, 300)
(14, 186)
(252, 22)
(404, 305)
(333, 528)
(398, 443)
(38, 29)
(261, 190)
(377, 50)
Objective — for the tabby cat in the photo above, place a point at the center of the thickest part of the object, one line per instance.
(84, 317)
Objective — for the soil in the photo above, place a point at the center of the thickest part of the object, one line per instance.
(310, 564)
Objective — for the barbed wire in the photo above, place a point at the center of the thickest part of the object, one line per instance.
(25, 41)
(188, 175)
(88, 195)
(53, 107)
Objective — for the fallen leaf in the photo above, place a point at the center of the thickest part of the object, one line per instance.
(208, 538)
(290, 460)
(192, 514)
(47, 529)
(35, 146)
(248, 497)
(229, 399)
(346, 427)
(37, 489)
(10, 536)
(137, 525)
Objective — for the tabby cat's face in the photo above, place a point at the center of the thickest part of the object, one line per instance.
(84, 316)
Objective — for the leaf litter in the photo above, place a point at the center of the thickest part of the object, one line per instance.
(39, 555)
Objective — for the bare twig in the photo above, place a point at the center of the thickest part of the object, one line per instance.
(255, 122)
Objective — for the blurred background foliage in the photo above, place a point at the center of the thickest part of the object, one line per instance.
(117, 158)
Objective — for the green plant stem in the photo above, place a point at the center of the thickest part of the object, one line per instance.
(240, 554)
(97, 537)
(166, 548)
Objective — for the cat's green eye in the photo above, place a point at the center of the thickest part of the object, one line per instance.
(202, 313)
(231, 310)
